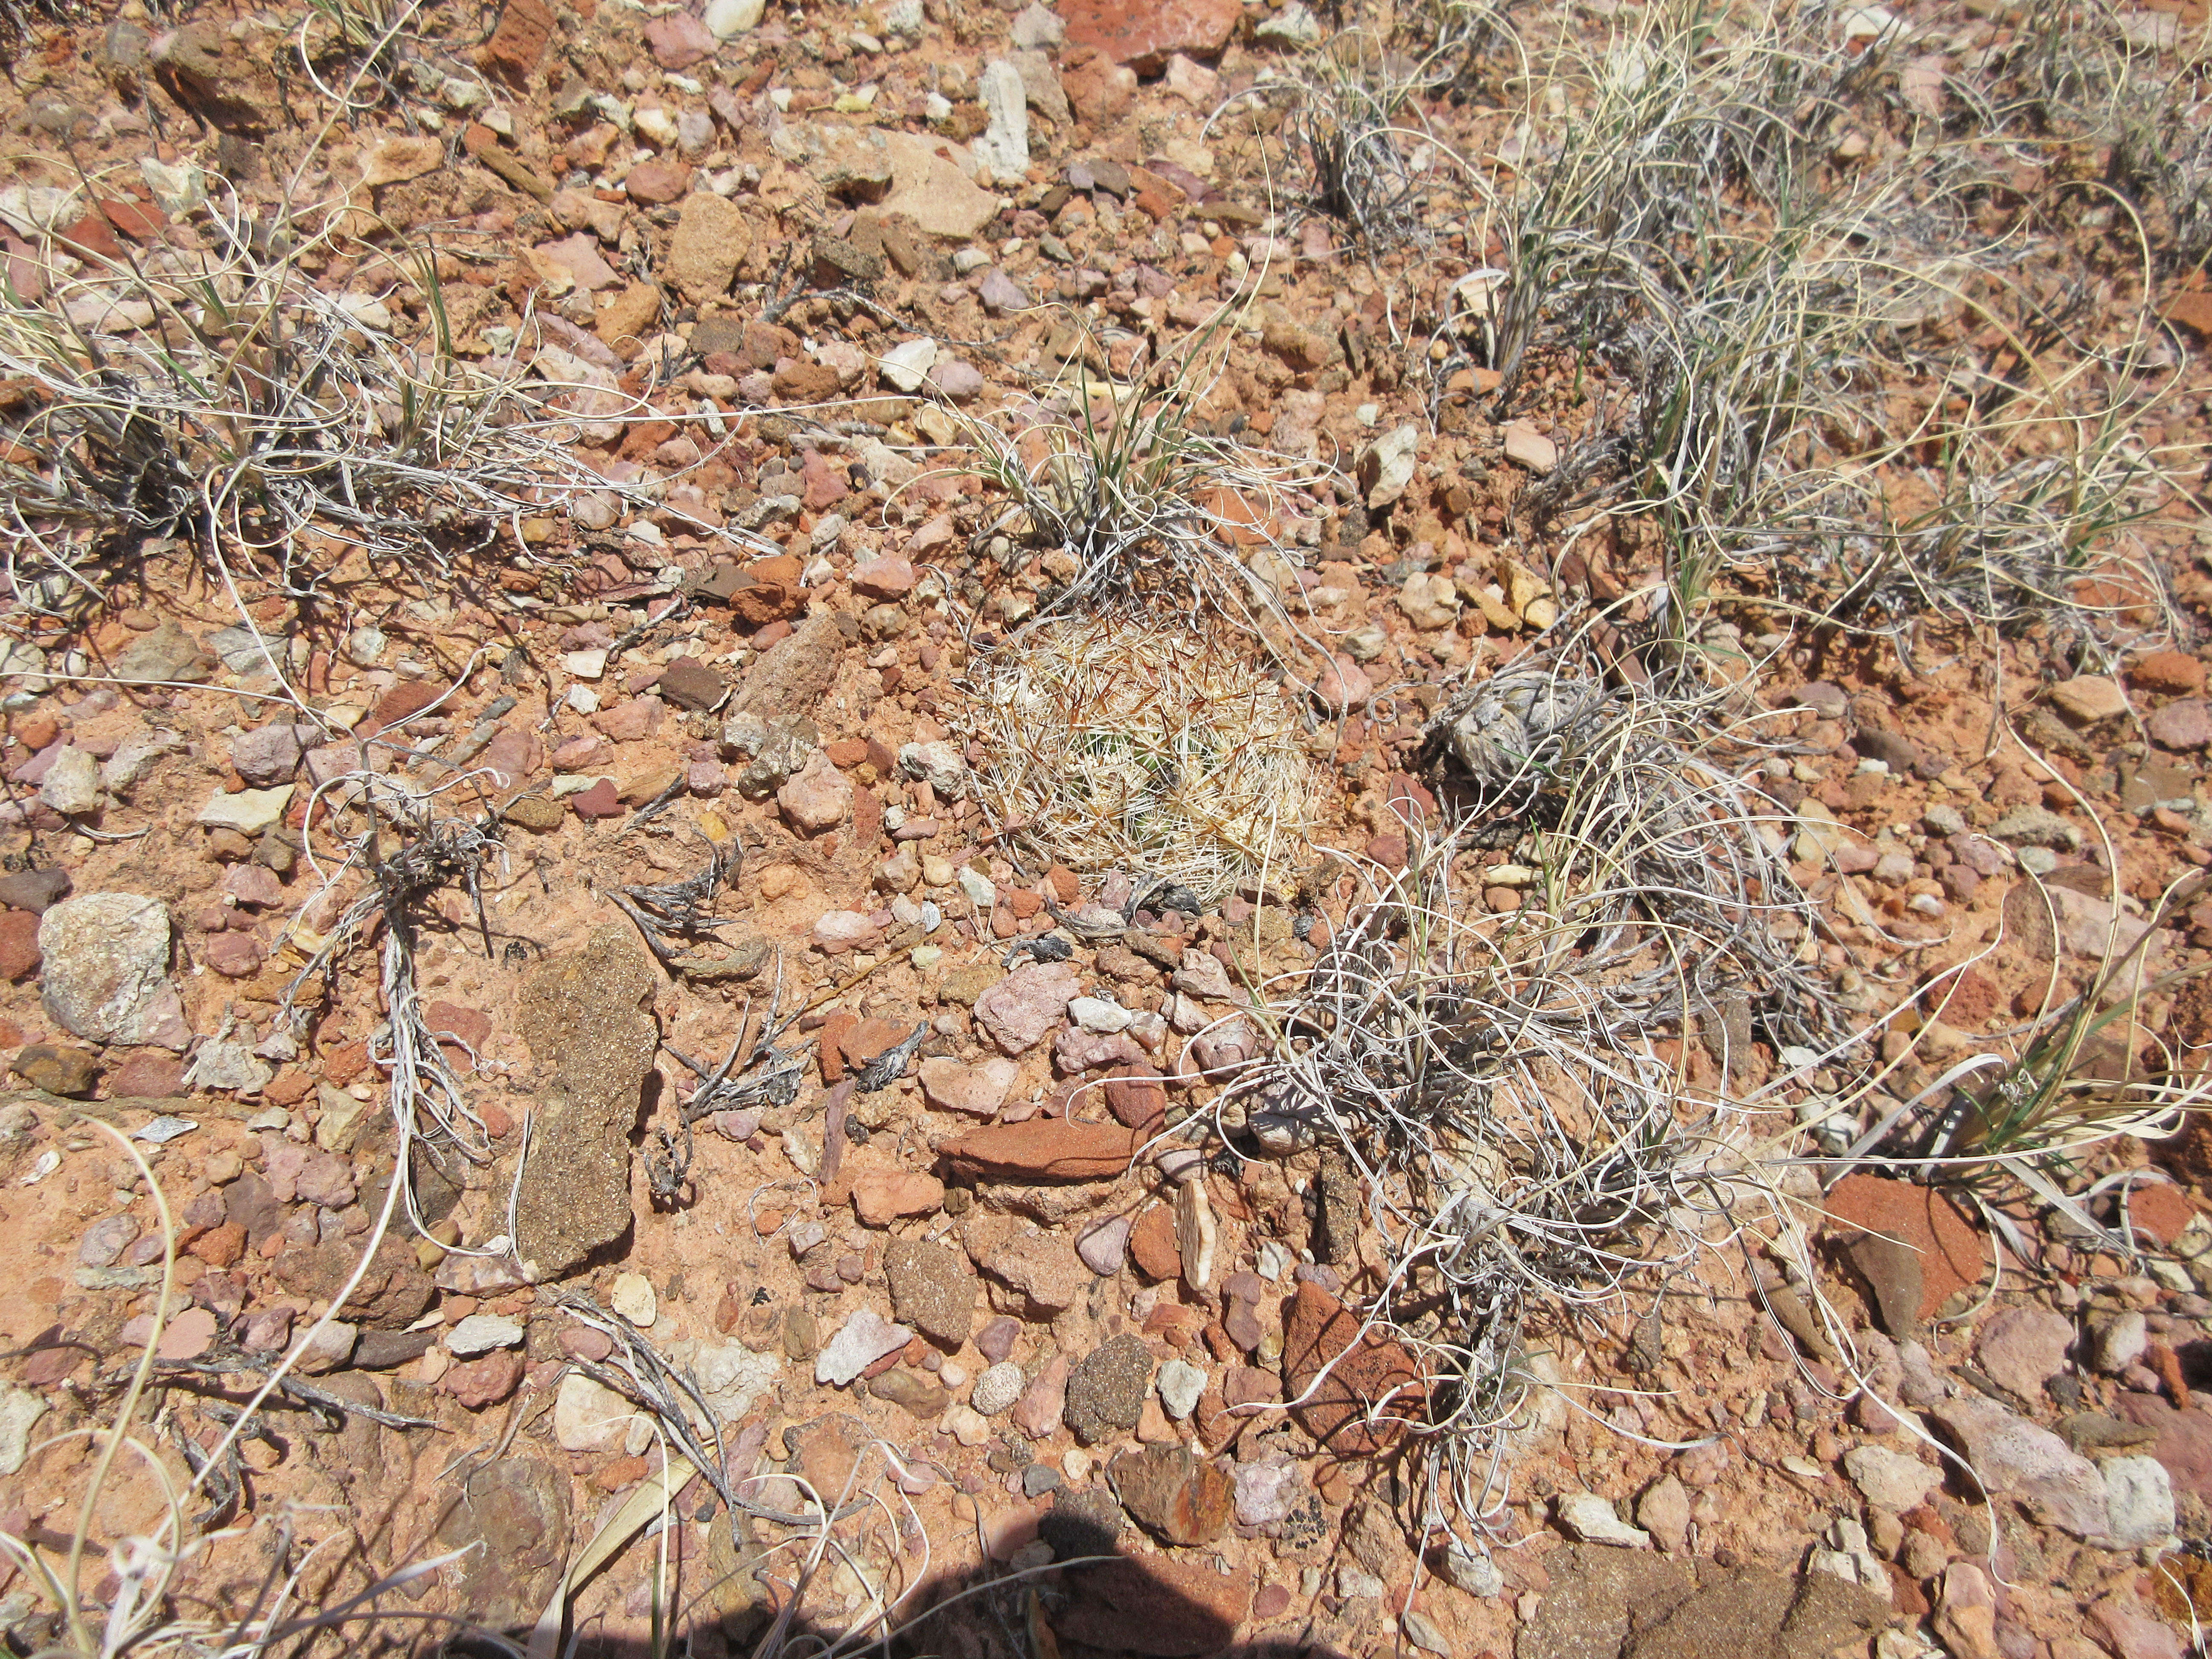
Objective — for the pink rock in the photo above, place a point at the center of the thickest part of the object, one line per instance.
(577, 753)
(254, 885)
(1022, 1009)
(885, 579)
(2183, 725)
(2022, 1348)
(1036, 1413)
(845, 930)
(234, 956)
(1343, 685)
(486, 1381)
(579, 255)
(826, 485)
(1076, 1050)
(816, 797)
(980, 1089)
(513, 755)
(678, 40)
(2132, 1633)
(706, 778)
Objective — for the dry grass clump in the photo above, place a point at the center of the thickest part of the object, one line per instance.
(208, 389)
(1513, 1086)
(1118, 743)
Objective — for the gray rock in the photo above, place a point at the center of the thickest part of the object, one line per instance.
(1890, 1480)
(933, 1288)
(1036, 27)
(107, 970)
(1106, 1389)
(71, 785)
(2037, 826)
(1038, 1479)
(860, 1341)
(1591, 1520)
(250, 811)
(2138, 1501)
(2117, 1340)
(1084, 1522)
(1180, 1384)
(587, 1022)
(1478, 1575)
(168, 653)
(482, 1332)
(20, 1409)
(997, 1389)
(1041, 85)
(1105, 1246)
(269, 754)
(1004, 145)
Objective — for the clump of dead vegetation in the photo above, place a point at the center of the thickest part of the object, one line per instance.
(1115, 743)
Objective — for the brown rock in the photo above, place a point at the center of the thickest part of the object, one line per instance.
(1153, 1244)
(657, 182)
(1173, 1494)
(585, 1018)
(1044, 1149)
(711, 241)
(933, 1288)
(1376, 1374)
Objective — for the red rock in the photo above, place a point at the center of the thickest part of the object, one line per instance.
(2182, 725)
(470, 1027)
(1273, 1602)
(599, 801)
(2171, 672)
(771, 594)
(826, 485)
(885, 579)
(862, 1041)
(1153, 1244)
(1966, 999)
(658, 182)
(1044, 1149)
(477, 1384)
(1941, 1243)
(806, 383)
(2161, 1210)
(221, 1246)
(628, 722)
(1388, 851)
(147, 1074)
(1377, 1374)
(1163, 1607)
(2184, 1445)
(397, 704)
(1144, 34)
(2193, 311)
(513, 755)
(1138, 1097)
(19, 946)
(525, 27)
